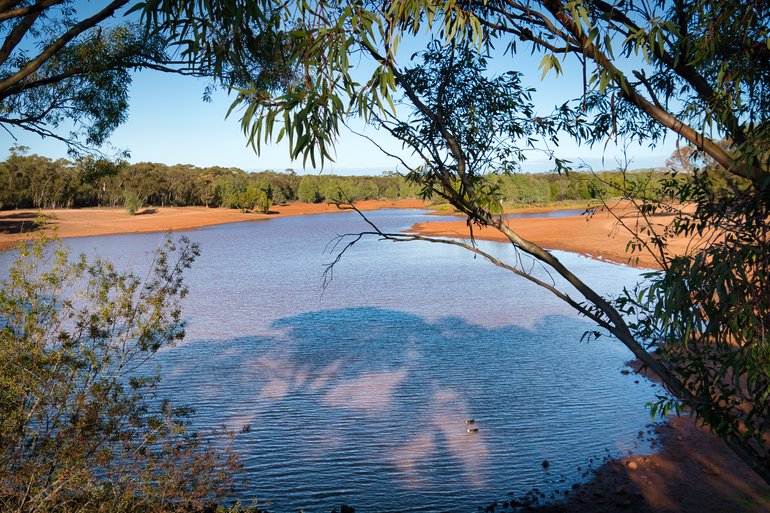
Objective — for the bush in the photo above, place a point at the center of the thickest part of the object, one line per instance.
(81, 427)
(308, 190)
(256, 197)
(132, 202)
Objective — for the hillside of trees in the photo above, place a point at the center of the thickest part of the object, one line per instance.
(32, 181)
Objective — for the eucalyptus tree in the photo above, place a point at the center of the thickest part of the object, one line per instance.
(58, 65)
(695, 70)
(66, 67)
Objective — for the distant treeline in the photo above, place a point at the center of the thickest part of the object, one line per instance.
(32, 181)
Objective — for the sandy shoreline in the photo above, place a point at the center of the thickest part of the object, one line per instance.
(597, 236)
(694, 471)
(19, 225)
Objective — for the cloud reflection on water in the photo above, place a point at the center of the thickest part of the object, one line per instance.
(374, 402)
(371, 392)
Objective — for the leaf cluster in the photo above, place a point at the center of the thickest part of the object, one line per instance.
(62, 70)
(707, 314)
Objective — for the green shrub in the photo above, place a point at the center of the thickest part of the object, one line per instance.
(308, 190)
(256, 198)
(80, 427)
(132, 202)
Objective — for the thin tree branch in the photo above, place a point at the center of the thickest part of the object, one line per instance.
(9, 4)
(681, 68)
(82, 70)
(20, 30)
(7, 13)
(473, 248)
(379, 147)
(660, 115)
(35, 63)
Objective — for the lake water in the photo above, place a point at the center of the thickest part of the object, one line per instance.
(359, 394)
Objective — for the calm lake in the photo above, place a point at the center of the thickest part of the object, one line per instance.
(359, 394)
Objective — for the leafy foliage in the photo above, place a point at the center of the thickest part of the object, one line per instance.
(309, 191)
(132, 202)
(59, 69)
(256, 197)
(707, 315)
(65, 65)
(485, 117)
(81, 428)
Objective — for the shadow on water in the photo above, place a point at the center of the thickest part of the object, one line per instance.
(368, 406)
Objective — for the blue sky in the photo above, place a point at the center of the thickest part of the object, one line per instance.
(169, 122)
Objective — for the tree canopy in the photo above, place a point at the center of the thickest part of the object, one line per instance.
(58, 65)
(65, 72)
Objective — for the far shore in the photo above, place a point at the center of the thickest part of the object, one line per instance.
(597, 236)
(19, 225)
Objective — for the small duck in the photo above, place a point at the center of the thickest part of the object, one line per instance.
(470, 421)
(472, 430)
